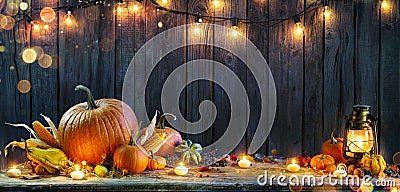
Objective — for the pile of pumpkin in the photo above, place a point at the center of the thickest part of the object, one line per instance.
(101, 132)
(332, 155)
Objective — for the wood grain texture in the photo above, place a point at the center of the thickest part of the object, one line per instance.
(198, 91)
(16, 106)
(338, 95)
(366, 53)
(389, 81)
(286, 62)
(87, 56)
(45, 80)
(347, 59)
(313, 73)
(257, 34)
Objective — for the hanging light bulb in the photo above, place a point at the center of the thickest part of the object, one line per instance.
(35, 27)
(235, 23)
(216, 3)
(198, 19)
(46, 27)
(69, 18)
(299, 31)
(164, 2)
(135, 8)
(385, 5)
(120, 8)
(327, 11)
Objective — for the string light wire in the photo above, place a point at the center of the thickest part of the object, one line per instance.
(208, 18)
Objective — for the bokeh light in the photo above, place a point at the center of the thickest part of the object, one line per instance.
(106, 44)
(160, 24)
(12, 8)
(56, 62)
(2, 48)
(92, 13)
(23, 6)
(29, 55)
(24, 86)
(10, 23)
(47, 14)
(46, 61)
(39, 52)
(3, 21)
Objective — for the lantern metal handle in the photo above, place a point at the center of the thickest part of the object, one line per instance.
(374, 130)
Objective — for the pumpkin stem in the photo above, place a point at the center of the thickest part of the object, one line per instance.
(333, 139)
(90, 101)
(160, 124)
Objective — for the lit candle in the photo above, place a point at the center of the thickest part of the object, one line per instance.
(181, 169)
(244, 163)
(14, 172)
(293, 167)
(77, 174)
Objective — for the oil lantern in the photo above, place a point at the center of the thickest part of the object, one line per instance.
(361, 133)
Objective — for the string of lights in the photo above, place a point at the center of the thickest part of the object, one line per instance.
(27, 15)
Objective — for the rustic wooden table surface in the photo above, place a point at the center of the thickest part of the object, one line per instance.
(229, 178)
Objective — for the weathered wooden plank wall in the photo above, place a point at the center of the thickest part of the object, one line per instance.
(351, 57)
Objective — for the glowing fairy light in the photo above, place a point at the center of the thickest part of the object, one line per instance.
(29, 55)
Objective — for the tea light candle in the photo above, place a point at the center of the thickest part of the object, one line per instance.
(77, 174)
(181, 169)
(244, 163)
(293, 167)
(14, 172)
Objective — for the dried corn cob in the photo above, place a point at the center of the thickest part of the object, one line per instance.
(30, 143)
(155, 142)
(44, 134)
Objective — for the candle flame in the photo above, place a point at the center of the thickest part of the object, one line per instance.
(77, 168)
(293, 161)
(14, 167)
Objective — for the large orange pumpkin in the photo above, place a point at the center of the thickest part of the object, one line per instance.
(321, 161)
(131, 158)
(92, 129)
(169, 147)
(334, 148)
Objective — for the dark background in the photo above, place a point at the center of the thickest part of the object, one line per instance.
(350, 58)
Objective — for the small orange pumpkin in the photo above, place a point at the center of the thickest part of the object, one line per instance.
(169, 147)
(321, 161)
(132, 158)
(334, 148)
(330, 168)
(156, 162)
